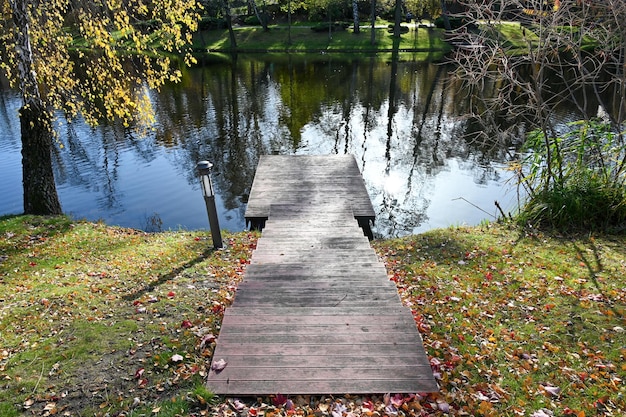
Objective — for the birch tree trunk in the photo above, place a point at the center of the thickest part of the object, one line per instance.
(40, 194)
(262, 19)
(355, 15)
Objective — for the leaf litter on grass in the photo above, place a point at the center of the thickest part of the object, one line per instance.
(108, 321)
(516, 323)
(98, 320)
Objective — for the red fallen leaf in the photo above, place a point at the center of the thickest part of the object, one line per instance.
(397, 400)
(33, 264)
(279, 400)
(143, 383)
(368, 405)
(197, 239)
(252, 412)
(186, 324)
(171, 294)
(136, 302)
(139, 373)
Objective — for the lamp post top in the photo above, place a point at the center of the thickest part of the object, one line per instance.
(204, 165)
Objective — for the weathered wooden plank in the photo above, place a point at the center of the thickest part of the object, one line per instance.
(307, 285)
(252, 388)
(258, 339)
(226, 350)
(313, 329)
(317, 298)
(319, 256)
(342, 242)
(321, 371)
(302, 269)
(319, 302)
(317, 361)
(314, 320)
(342, 311)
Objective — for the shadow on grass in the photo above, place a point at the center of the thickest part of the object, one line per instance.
(594, 267)
(168, 276)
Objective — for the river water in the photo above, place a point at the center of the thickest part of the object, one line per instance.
(405, 123)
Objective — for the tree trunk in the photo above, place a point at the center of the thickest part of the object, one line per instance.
(444, 15)
(40, 194)
(397, 19)
(289, 22)
(229, 23)
(330, 24)
(355, 16)
(262, 19)
(373, 34)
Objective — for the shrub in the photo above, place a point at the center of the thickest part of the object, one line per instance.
(455, 22)
(576, 181)
(337, 27)
(208, 23)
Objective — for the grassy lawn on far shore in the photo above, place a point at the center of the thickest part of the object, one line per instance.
(303, 39)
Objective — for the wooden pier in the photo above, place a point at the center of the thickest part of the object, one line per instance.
(316, 312)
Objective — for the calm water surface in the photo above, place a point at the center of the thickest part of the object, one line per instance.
(405, 123)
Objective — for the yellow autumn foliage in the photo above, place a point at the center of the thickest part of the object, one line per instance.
(96, 58)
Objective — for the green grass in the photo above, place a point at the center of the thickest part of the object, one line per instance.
(514, 321)
(508, 314)
(303, 39)
(84, 307)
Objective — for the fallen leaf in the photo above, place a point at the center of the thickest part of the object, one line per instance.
(50, 407)
(553, 391)
(278, 400)
(339, 409)
(218, 366)
(542, 413)
(443, 406)
(207, 339)
(237, 405)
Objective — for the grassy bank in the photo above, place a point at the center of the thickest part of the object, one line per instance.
(96, 320)
(303, 39)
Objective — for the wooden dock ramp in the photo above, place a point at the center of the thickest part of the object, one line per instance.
(316, 312)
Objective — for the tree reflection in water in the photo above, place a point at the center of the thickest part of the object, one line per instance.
(405, 121)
